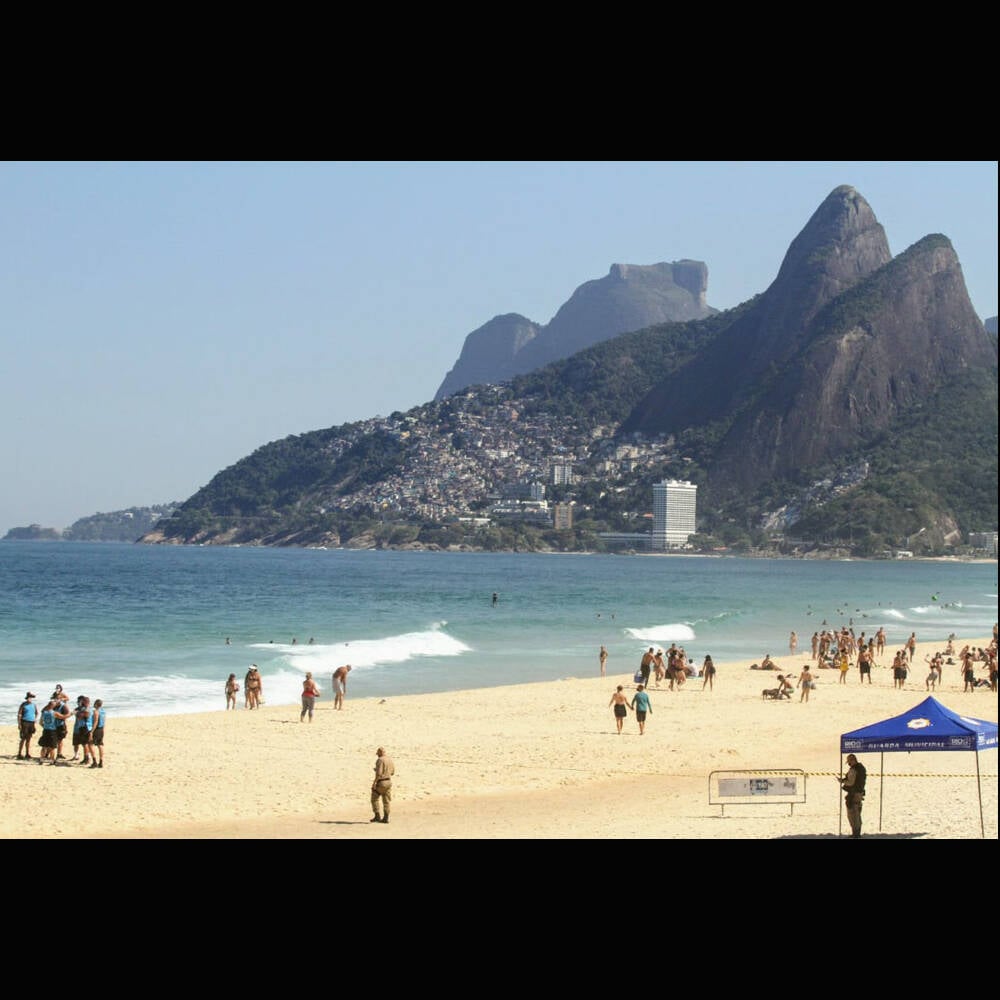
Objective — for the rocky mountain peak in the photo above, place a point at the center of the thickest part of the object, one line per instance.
(630, 297)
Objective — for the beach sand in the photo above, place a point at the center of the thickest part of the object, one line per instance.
(534, 761)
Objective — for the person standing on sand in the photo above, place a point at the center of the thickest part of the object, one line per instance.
(793, 644)
(865, 663)
(815, 645)
(911, 646)
(340, 685)
(621, 705)
(309, 695)
(806, 683)
(232, 687)
(642, 706)
(97, 736)
(603, 657)
(968, 671)
(845, 665)
(63, 713)
(708, 672)
(27, 714)
(382, 786)
(880, 642)
(854, 785)
(47, 742)
(253, 687)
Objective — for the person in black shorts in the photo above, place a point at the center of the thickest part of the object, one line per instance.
(621, 705)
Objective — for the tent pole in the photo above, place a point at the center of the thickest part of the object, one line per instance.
(881, 781)
(979, 785)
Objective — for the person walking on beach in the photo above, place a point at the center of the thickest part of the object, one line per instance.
(97, 735)
(340, 685)
(793, 643)
(708, 672)
(27, 714)
(806, 683)
(854, 786)
(911, 646)
(603, 657)
(382, 786)
(232, 688)
(659, 667)
(621, 706)
(310, 692)
(642, 706)
(646, 665)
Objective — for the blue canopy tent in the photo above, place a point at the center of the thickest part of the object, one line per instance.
(927, 726)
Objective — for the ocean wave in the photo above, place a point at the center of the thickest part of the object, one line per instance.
(321, 657)
(662, 633)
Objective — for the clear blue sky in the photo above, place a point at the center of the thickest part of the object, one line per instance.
(161, 320)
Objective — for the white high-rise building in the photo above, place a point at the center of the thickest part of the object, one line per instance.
(674, 503)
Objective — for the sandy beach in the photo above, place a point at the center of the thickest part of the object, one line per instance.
(535, 761)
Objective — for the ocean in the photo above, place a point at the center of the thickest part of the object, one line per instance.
(145, 628)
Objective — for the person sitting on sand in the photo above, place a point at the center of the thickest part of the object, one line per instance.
(767, 663)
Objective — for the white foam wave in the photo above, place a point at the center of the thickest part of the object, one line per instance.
(369, 652)
(893, 613)
(662, 633)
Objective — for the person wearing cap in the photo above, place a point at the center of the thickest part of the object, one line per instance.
(340, 684)
(27, 714)
(382, 786)
(253, 687)
(854, 785)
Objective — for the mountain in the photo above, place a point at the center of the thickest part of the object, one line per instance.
(991, 325)
(851, 405)
(629, 297)
(116, 526)
(843, 342)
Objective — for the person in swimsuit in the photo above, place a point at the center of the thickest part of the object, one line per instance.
(340, 685)
(708, 672)
(806, 683)
(253, 687)
(621, 705)
(604, 660)
(232, 687)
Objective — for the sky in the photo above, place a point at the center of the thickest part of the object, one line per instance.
(160, 320)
